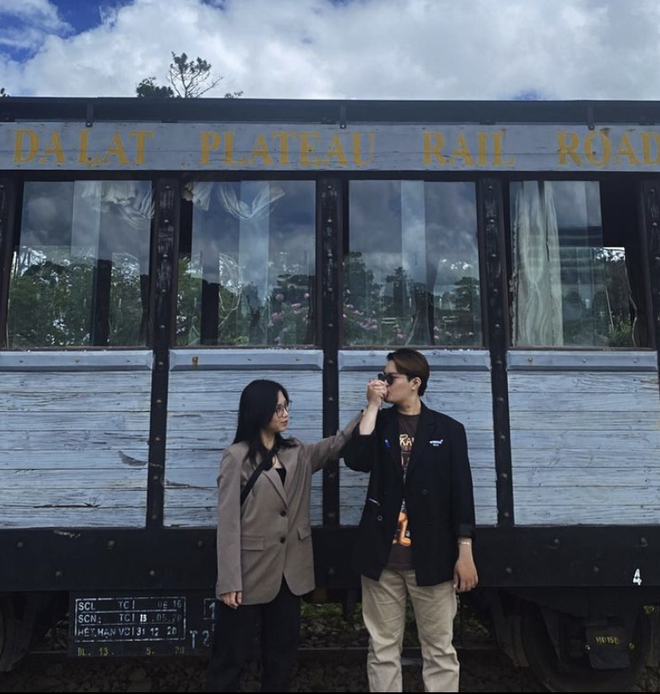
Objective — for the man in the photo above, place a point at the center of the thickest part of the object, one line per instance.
(415, 535)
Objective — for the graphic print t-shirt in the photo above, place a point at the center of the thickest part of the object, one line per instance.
(401, 553)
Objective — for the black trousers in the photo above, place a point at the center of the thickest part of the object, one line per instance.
(233, 639)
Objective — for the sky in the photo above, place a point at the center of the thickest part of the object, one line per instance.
(340, 49)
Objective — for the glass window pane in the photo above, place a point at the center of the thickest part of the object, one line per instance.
(248, 275)
(411, 265)
(80, 271)
(569, 288)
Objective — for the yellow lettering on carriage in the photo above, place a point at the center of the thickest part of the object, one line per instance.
(646, 147)
(568, 142)
(591, 154)
(308, 147)
(462, 151)
(210, 141)
(482, 149)
(357, 148)
(260, 149)
(283, 145)
(229, 151)
(498, 146)
(140, 143)
(116, 149)
(336, 151)
(83, 156)
(20, 155)
(433, 144)
(54, 148)
(625, 149)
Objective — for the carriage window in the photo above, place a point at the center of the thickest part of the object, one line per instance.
(80, 270)
(247, 265)
(572, 283)
(411, 265)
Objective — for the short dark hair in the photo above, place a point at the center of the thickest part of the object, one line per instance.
(413, 364)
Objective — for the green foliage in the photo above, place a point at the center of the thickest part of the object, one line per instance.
(51, 303)
(286, 318)
(399, 311)
(149, 89)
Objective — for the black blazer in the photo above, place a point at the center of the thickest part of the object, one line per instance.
(438, 494)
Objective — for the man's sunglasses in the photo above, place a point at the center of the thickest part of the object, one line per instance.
(388, 378)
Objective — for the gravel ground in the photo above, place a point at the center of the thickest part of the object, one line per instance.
(483, 669)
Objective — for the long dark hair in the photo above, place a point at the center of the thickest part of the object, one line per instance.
(256, 409)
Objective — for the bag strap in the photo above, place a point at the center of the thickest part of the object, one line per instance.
(263, 465)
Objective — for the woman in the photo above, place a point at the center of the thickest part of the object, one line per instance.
(265, 560)
(415, 536)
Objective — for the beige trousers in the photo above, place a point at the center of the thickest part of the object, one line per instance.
(384, 613)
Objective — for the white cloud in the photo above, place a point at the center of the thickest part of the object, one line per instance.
(25, 24)
(417, 49)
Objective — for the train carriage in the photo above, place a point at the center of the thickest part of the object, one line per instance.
(157, 255)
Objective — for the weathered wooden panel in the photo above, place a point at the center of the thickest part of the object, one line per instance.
(321, 146)
(111, 382)
(73, 460)
(202, 417)
(58, 507)
(579, 458)
(585, 445)
(74, 449)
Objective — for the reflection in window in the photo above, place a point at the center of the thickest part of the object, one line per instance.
(570, 284)
(80, 271)
(411, 265)
(247, 269)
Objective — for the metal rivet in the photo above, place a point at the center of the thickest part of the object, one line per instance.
(200, 544)
(111, 544)
(596, 569)
(508, 570)
(59, 574)
(152, 573)
(20, 545)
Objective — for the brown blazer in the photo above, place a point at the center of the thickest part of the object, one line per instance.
(270, 536)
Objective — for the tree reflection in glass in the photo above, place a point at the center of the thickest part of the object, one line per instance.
(411, 266)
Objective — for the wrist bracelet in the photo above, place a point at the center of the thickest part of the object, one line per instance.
(465, 542)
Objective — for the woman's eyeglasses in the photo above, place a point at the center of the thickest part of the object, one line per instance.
(282, 408)
(389, 378)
